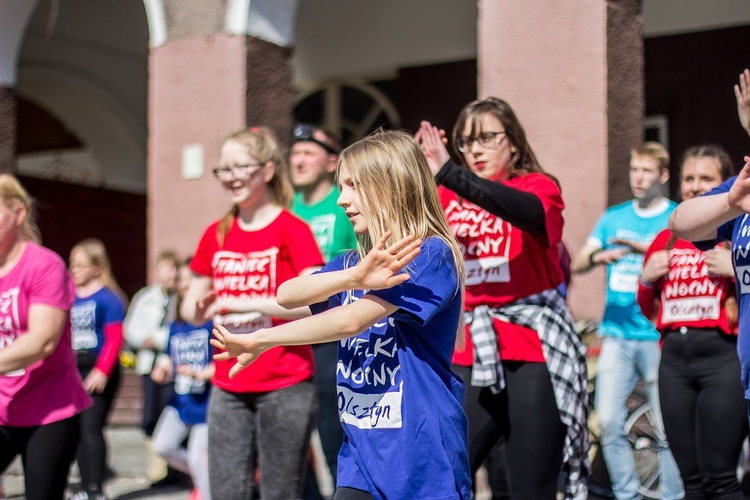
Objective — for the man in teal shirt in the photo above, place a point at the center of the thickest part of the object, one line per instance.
(313, 163)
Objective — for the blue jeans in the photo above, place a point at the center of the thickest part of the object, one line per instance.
(621, 363)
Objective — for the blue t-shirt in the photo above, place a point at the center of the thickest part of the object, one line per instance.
(88, 317)
(622, 316)
(738, 232)
(188, 345)
(405, 432)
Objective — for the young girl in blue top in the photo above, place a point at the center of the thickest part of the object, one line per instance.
(96, 326)
(187, 360)
(395, 311)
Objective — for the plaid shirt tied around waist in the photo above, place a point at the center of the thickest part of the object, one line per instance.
(565, 355)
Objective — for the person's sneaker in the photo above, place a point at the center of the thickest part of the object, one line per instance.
(87, 495)
(79, 495)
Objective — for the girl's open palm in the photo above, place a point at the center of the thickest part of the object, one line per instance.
(381, 266)
(240, 346)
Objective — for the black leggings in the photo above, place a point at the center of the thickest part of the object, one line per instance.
(345, 493)
(92, 448)
(525, 415)
(704, 412)
(46, 452)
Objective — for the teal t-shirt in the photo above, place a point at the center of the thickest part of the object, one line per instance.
(329, 224)
(622, 316)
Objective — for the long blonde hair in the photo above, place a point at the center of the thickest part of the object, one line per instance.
(261, 144)
(14, 195)
(398, 193)
(97, 255)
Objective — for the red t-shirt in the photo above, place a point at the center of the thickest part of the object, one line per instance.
(504, 263)
(253, 264)
(689, 295)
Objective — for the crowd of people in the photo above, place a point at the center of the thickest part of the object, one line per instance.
(407, 308)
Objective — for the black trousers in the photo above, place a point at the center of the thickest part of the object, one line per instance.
(526, 417)
(47, 451)
(704, 410)
(92, 448)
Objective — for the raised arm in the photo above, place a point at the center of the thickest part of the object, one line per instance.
(742, 93)
(266, 306)
(45, 327)
(335, 324)
(523, 210)
(379, 269)
(697, 219)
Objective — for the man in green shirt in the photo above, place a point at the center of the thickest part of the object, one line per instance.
(313, 162)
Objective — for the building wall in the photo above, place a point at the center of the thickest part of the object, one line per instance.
(690, 79)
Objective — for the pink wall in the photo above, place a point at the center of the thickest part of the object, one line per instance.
(548, 60)
(197, 90)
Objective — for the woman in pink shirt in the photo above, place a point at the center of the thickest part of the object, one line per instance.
(41, 394)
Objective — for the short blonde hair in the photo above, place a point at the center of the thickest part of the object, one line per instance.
(654, 150)
(14, 195)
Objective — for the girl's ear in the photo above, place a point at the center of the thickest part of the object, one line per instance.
(268, 171)
(21, 213)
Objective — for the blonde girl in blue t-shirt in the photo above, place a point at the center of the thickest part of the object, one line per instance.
(395, 309)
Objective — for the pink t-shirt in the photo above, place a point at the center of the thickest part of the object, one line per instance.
(49, 390)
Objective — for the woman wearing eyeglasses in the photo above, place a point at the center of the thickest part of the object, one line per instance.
(524, 365)
(266, 413)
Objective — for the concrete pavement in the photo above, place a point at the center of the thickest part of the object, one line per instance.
(127, 452)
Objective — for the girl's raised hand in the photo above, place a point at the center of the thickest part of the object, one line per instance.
(742, 93)
(432, 141)
(381, 266)
(240, 346)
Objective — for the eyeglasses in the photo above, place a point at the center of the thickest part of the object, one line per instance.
(236, 172)
(486, 140)
(303, 132)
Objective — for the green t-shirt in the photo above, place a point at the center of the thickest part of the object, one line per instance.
(329, 224)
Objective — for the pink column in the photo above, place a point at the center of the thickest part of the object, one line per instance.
(573, 73)
(196, 96)
(200, 90)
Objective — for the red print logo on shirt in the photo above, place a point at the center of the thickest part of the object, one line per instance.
(247, 275)
(485, 241)
(251, 274)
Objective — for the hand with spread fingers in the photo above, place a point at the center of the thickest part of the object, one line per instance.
(381, 267)
(241, 346)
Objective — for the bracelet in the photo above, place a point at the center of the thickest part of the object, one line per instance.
(644, 284)
(591, 257)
